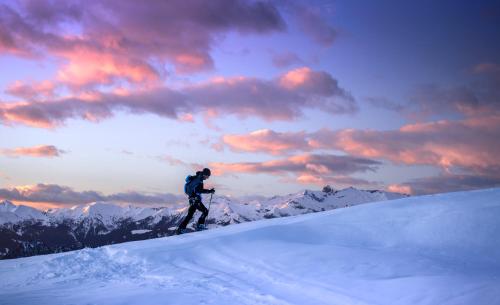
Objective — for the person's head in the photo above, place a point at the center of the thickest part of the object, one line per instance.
(205, 173)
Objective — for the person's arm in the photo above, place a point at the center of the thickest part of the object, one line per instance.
(205, 191)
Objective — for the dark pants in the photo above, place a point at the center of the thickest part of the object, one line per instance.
(194, 204)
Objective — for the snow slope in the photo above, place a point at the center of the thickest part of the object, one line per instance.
(440, 249)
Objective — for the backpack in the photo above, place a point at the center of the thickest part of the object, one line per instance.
(189, 186)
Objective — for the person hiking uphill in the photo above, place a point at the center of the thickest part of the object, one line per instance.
(193, 188)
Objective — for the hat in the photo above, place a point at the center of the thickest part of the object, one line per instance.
(206, 172)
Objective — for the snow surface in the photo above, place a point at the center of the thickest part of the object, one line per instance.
(439, 249)
(142, 231)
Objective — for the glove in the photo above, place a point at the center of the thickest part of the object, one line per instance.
(212, 191)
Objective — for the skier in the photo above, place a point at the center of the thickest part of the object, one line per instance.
(193, 188)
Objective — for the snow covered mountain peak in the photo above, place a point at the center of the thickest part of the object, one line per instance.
(11, 213)
(102, 209)
(7, 206)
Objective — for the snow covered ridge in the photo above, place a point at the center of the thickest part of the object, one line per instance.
(440, 249)
(26, 231)
(107, 212)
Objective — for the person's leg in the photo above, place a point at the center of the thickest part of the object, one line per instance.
(184, 223)
(204, 212)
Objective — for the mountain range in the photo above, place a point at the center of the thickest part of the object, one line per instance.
(26, 231)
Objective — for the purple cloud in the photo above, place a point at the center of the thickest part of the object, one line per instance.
(269, 141)
(382, 102)
(447, 182)
(470, 144)
(103, 49)
(35, 90)
(286, 59)
(317, 169)
(66, 196)
(43, 151)
(315, 25)
(476, 98)
(291, 93)
(469, 147)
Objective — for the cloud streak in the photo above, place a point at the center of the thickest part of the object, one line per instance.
(242, 96)
(317, 169)
(41, 151)
(447, 182)
(64, 196)
(35, 90)
(268, 141)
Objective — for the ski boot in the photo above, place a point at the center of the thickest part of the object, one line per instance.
(181, 231)
(200, 227)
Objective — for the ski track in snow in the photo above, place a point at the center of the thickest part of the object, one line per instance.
(440, 249)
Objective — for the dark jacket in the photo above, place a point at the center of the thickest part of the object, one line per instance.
(197, 185)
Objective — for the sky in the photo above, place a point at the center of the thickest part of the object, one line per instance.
(121, 100)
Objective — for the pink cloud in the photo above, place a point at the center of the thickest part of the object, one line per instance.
(190, 63)
(34, 90)
(187, 117)
(240, 96)
(90, 67)
(322, 180)
(469, 147)
(399, 188)
(311, 179)
(270, 141)
(469, 144)
(307, 80)
(51, 114)
(306, 169)
(309, 163)
(290, 92)
(266, 140)
(53, 195)
(100, 49)
(47, 151)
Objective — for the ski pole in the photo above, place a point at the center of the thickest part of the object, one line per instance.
(210, 203)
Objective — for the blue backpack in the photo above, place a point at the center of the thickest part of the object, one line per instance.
(189, 186)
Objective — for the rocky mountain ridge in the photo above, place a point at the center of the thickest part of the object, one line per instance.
(26, 231)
